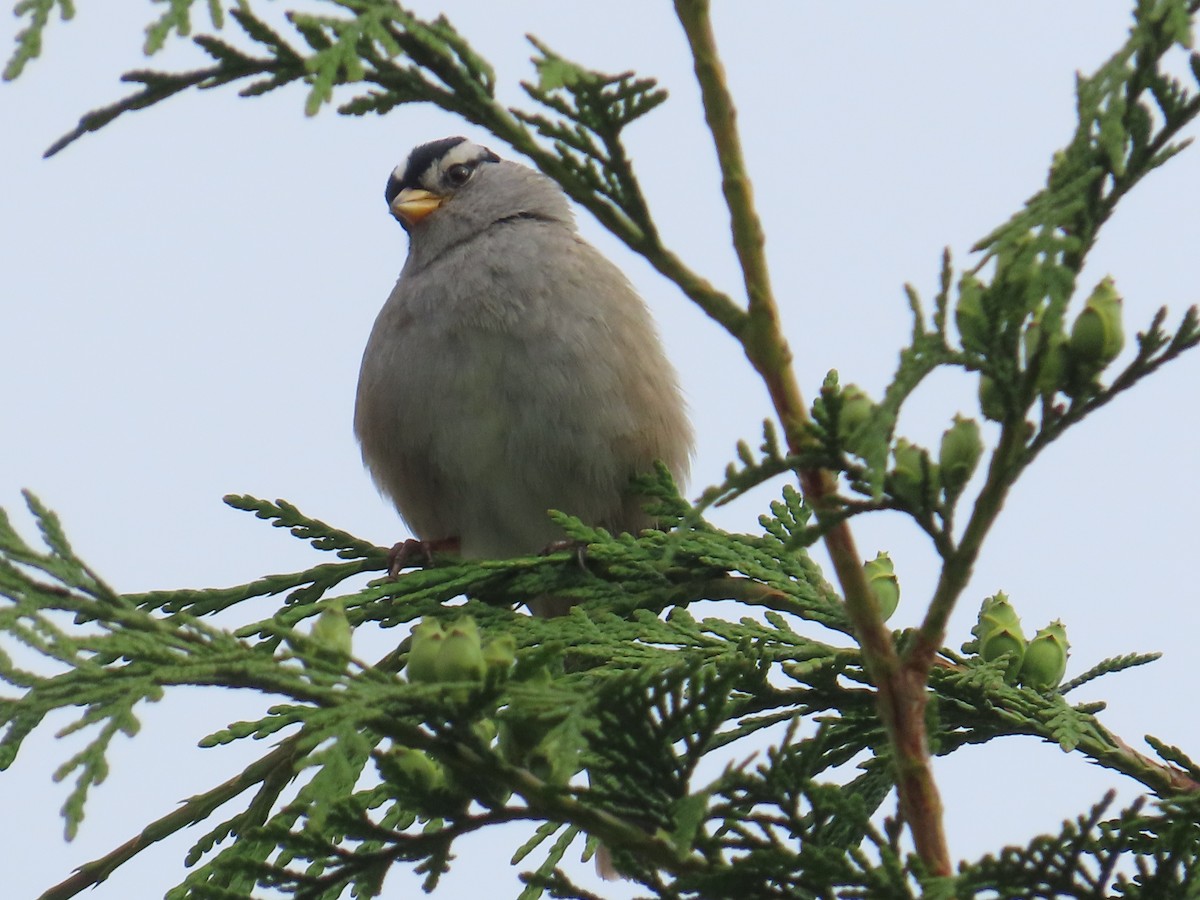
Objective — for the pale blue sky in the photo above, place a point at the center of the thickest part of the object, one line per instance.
(186, 296)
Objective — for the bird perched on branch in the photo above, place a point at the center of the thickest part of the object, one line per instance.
(513, 369)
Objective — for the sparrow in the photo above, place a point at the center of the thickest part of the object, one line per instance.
(513, 369)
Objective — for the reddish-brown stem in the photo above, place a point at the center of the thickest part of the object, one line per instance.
(901, 687)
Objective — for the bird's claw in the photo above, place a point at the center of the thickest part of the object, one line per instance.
(578, 547)
(415, 554)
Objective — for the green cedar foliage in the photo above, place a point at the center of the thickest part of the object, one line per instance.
(596, 727)
(394, 771)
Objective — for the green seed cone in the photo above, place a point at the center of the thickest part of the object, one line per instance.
(500, 653)
(1107, 302)
(1046, 658)
(999, 609)
(427, 639)
(1052, 363)
(1003, 641)
(881, 576)
(415, 766)
(912, 468)
(332, 633)
(996, 614)
(461, 655)
(991, 404)
(855, 415)
(1087, 338)
(1098, 336)
(959, 453)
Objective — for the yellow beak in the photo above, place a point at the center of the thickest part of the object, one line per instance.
(413, 204)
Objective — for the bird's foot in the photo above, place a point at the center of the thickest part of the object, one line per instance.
(578, 547)
(415, 554)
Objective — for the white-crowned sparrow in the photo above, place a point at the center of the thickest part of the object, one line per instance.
(513, 369)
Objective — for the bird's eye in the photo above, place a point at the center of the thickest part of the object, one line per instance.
(458, 174)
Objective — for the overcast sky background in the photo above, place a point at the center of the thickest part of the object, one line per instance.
(187, 293)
